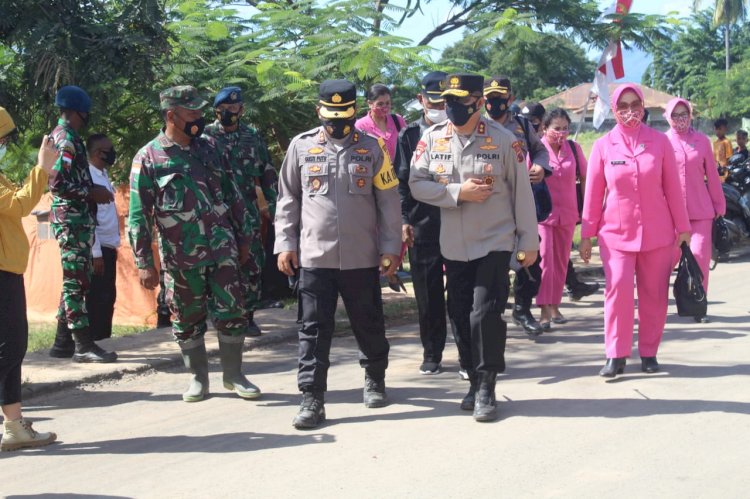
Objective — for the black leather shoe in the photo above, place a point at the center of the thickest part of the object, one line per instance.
(312, 411)
(581, 289)
(94, 354)
(613, 367)
(523, 318)
(649, 365)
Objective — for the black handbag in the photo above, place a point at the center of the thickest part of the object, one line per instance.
(688, 291)
(721, 237)
(542, 200)
(579, 186)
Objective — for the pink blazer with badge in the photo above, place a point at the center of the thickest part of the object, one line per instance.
(633, 200)
(696, 165)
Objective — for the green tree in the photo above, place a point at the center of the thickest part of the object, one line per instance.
(538, 64)
(726, 14)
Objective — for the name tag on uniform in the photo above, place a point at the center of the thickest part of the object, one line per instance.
(618, 162)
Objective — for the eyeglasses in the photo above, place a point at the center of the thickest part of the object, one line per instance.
(633, 106)
(676, 116)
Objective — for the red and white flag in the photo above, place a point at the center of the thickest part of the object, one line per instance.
(610, 67)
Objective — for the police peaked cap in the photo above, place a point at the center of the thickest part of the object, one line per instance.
(462, 84)
(338, 99)
(499, 84)
(228, 95)
(433, 85)
(73, 98)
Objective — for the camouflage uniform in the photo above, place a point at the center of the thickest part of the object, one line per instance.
(201, 220)
(72, 220)
(250, 166)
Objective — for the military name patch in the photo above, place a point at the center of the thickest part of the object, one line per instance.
(487, 155)
(313, 159)
(441, 157)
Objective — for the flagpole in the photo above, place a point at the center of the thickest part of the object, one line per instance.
(583, 114)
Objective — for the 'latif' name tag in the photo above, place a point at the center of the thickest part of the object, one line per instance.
(620, 162)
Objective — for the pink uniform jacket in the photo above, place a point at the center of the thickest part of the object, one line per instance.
(562, 183)
(633, 200)
(699, 178)
(367, 125)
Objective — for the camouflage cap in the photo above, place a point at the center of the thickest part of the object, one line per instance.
(186, 96)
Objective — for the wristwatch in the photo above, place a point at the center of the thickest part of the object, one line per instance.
(385, 262)
(520, 256)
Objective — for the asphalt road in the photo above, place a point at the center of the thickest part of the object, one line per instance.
(563, 431)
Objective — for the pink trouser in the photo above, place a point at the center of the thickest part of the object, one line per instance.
(700, 245)
(651, 270)
(554, 248)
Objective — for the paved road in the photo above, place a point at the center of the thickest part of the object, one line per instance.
(564, 432)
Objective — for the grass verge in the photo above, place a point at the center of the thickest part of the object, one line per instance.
(42, 334)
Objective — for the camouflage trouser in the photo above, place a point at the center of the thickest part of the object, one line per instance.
(75, 242)
(213, 288)
(251, 272)
(161, 299)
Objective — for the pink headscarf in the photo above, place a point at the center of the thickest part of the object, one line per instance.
(679, 125)
(627, 120)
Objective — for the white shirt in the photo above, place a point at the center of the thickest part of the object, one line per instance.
(107, 225)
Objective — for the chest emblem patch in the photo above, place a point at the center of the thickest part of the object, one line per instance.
(315, 150)
(314, 169)
(361, 183)
(440, 169)
(316, 184)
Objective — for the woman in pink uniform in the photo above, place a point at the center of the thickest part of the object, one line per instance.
(699, 179)
(379, 122)
(556, 231)
(633, 203)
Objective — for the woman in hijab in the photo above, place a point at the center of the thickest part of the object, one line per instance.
(633, 204)
(699, 179)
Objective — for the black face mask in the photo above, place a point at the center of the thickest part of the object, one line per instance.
(110, 156)
(496, 107)
(338, 128)
(536, 127)
(227, 117)
(194, 128)
(459, 113)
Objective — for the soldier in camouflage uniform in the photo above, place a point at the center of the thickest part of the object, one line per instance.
(179, 184)
(251, 167)
(73, 216)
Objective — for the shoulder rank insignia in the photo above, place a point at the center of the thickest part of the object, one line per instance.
(518, 149)
(481, 128)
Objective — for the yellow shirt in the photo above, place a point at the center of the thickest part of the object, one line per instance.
(722, 151)
(16, 203)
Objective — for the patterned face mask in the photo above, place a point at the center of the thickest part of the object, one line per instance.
(629, 118)
(557, 136)
(680, 124)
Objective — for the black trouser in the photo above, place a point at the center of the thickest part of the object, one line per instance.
(477, 294)
(427, 277)
(14, 336)
(100, 300)
(318, 294)
(526, 284)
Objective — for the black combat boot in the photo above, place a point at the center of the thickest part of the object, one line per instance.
(374, 392)
(87, 351)
(252, 328)
(64, 346)
(485, 407)
(575, 288)
(163, 320)
(467, 404)
(312, 411)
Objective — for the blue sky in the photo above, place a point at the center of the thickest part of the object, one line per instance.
(635, 61)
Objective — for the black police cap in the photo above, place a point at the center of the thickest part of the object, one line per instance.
(337, 99)
(433, 85)
(499, 84)
(462, 84)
